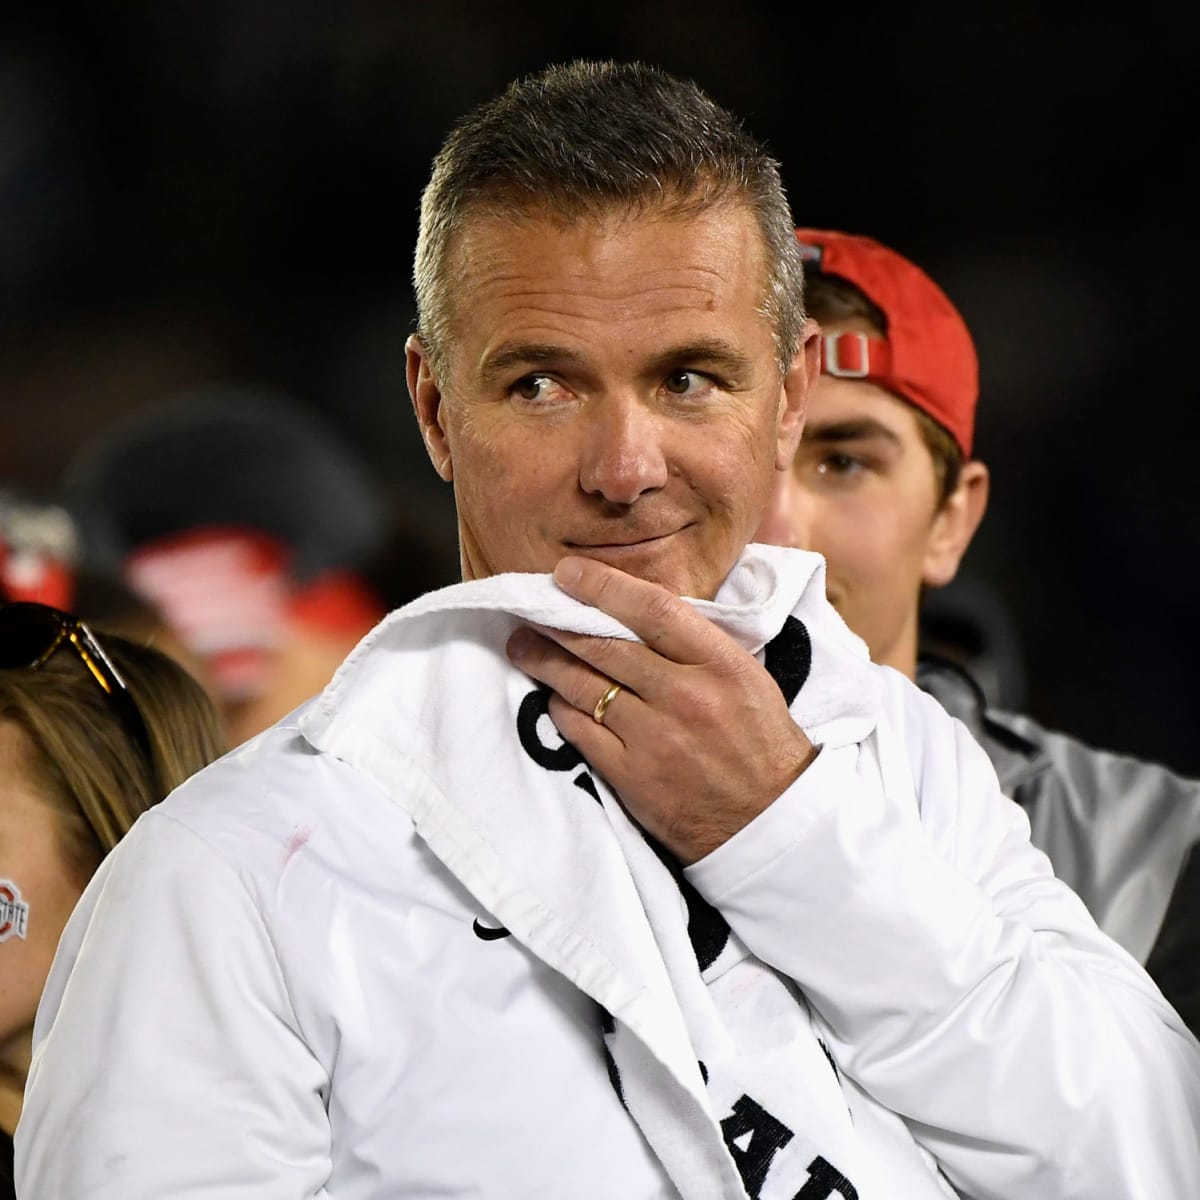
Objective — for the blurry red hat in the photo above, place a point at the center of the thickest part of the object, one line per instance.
(236, 513)
(928, 356)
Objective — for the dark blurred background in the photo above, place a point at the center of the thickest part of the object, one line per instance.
(204, 192)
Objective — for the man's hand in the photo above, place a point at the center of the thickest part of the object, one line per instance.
(697, 742)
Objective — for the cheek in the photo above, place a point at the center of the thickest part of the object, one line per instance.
(14, 912)
(35, 906)
(33, 911)
(732, 468)
(846, 532)
(501, 507)
(507, 468)
(38, 887)
(487, 494)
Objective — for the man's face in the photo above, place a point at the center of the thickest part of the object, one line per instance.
(612, 391)
(863, 493)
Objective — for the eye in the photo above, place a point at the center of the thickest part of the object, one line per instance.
(834, 469)
(532, 387)
(539, 391)
(687, 383)
(839, 464)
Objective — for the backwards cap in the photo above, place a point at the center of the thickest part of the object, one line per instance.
(927, 357)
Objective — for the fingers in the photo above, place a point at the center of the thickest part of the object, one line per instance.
(667, 624)
(665, 744)
(673, 636)
(585, 689)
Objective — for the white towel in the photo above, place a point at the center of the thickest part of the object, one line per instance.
(715, 1057)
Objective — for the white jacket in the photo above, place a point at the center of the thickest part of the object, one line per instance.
(292, 979)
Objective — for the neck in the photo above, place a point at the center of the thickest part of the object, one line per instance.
(14, 1068)
(902, 653)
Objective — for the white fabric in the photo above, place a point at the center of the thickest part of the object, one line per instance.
(272, 988)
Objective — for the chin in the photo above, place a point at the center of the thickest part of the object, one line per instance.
(687, 583)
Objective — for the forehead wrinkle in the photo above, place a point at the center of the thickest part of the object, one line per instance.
(580, 293)
(593, 284)
(600, 268)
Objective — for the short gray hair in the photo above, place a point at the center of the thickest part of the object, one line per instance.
(582, 139)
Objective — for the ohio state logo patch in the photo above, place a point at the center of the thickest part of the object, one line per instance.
(14, 912)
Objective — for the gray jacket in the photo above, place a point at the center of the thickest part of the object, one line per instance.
(1121, 832)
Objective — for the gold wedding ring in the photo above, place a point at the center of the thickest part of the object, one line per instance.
(602, 704)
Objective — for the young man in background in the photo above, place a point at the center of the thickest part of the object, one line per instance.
(884, 486)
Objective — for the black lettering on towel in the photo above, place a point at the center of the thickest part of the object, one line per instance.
(788, 658)
(825, 1180)
(534, 707)
(762, 1136)
(767, 1136)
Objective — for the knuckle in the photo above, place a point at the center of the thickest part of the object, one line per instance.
(603, 648)
(703, 709)
(662, 605)
(662, 612)
(740, 670)
(694, 704)
(566, 717)
(603, 583)
(583, 693)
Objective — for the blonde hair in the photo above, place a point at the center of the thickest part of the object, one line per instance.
(83, 759)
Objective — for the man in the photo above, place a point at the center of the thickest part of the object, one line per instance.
(637, 928)
(885, 488)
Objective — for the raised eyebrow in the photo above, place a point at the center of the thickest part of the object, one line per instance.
(525, 354)
(862, 430)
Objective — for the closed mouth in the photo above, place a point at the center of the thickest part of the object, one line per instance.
(625, 543)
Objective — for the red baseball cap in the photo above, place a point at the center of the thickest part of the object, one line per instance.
(927, 357)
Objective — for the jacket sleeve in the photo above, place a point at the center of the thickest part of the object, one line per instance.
(1123, 833)
(167, 1060)
(962, 984)
(1174, 963)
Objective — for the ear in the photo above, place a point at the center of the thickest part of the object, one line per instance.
(954, 525)
(426, 396)
(793, 397)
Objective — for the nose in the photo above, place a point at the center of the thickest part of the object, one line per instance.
(624, 456)
(783, 522)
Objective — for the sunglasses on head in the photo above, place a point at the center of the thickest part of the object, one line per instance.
(30, 633)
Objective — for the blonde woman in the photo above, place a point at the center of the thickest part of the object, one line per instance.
(94, 729)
